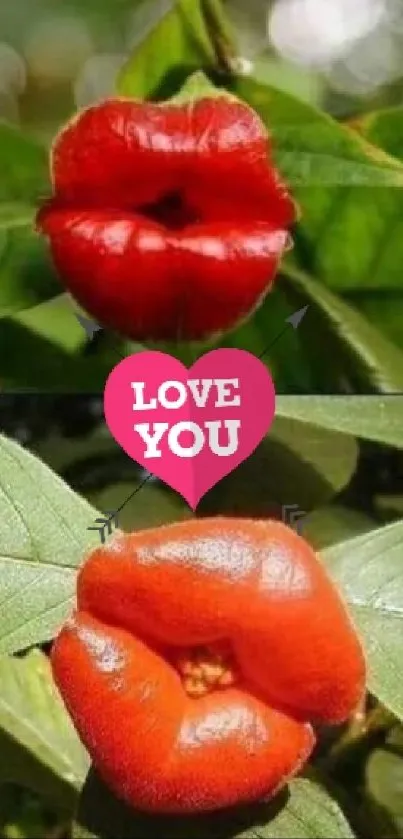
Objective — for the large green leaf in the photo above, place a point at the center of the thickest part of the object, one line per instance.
(304, 811)
(43, 537)
(189, 35)
(39, 747)
(383, 307)
(369, 570)
(372, 418)
(349, 192)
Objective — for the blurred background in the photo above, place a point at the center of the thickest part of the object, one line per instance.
(57, 55)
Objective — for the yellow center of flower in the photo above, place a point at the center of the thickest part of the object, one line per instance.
(204, 669)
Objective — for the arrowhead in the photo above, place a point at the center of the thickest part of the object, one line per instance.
(297, 317)
(90, 326)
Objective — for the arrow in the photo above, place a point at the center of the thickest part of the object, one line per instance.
(111, 517)
(106, 524)
(294, 320)
(297, 317)
(90, 326)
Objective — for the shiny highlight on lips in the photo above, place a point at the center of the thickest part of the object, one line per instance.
(167, 221)
(194, 685)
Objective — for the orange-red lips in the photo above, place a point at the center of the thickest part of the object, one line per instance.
(199, 656)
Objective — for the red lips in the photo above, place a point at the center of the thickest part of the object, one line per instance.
(168, 221)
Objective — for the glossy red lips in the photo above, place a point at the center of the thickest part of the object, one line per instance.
(168, 221)
(198, 657)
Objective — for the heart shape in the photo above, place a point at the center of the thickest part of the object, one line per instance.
(190, 435)
(181, 233)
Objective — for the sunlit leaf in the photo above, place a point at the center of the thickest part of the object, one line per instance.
(369, 570)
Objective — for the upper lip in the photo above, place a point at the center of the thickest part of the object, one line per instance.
(123, 154)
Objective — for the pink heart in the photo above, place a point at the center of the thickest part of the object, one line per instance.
(230, 403)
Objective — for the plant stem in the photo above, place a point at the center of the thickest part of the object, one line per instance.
(220, 33)
(362, 727)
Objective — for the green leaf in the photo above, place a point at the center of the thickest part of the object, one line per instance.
(384, 777)
(389, 506)
(24, 167)
(333, 524)
(16, 214)
(375, 361)
(384, 129)
(383, 309)
(287, 360)
(369, 571)
(43, 538)
(294, 361)
(40, 749)
(45, 347)
(350, 193)
(372, 418)
(297, 464)
(304, 811)
(26, 273)
(153, 506)
(197, 86)
(310, 812)
(27, 276)
(190, 35)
